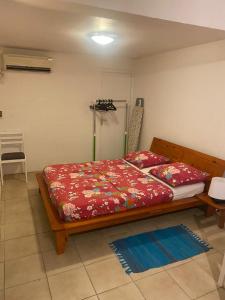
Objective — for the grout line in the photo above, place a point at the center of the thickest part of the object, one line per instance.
(3, 242)
(139, 290)
(207, 294)
(4, 266)
(114, 288)
(147, 275)
(22, 236)
(119, 286)
(178, 284)
(85, 269)
(21, 257)
(90, 277)
(85, 266)
(64, 271)
(41, 252)
(24, 283)
(98, 261)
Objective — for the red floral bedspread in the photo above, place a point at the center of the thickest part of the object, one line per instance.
(83, 191)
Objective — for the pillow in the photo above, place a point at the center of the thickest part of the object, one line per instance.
(145, 159)
(177, 174)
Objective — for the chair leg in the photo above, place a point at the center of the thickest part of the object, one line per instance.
(25, 170)
(1, 174)
(222, 274)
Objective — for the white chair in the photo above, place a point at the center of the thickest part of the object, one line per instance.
(8, 140)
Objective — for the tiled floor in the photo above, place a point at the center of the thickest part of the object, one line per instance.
(31, 270)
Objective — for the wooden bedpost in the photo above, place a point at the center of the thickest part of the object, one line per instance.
(61, 240)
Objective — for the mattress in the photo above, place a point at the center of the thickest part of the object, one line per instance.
(180, 192)
(83, 191)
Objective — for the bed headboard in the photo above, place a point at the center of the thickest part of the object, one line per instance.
(210, 164)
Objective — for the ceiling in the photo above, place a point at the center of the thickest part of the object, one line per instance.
(65, 28)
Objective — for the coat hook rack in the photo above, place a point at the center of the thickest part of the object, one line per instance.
(106, 105)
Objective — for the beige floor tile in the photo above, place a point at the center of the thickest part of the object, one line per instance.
(116, 236)
(100, 250)
(2, 233)
(212, 224)
(210, 263)
(19, 229)
(42, 224)
(2, 211)
(166, 221)
(125, 292)
(46, 241)
(138, 276)
(10, 194)
(2, 252)
(55, 263)
(17, 212)
(212, 229)
(190, 212)
(32, 181)
(37, 206)
(193, 279)
(215, 295)
(12, 207)
(102, 265)
(107, 274)
(21, 247)
(123, 228)
(71, 285)
(207, 221)
(35, 198)
(90, 235)
(1, 276)
(23, 270)
(191, 223)
(18, 199)
(217, 241)
(161, 286)
(142, 226)
(33, 191)
(35, 290)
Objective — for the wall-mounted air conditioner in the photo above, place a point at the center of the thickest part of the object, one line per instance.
(27, 63)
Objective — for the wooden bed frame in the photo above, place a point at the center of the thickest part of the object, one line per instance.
(210, 164)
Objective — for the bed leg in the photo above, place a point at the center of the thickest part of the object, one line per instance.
(61, 240)
(221, 219)
(210, 211)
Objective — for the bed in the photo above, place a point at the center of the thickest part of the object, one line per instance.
(109, 184)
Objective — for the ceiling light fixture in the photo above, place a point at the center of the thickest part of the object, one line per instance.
(102, 38)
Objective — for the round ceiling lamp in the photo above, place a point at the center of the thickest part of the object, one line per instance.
(102, 38)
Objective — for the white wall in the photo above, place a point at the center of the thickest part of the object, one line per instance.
(53, 109)
(184, 93)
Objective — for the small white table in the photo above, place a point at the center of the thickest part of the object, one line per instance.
(222, 274)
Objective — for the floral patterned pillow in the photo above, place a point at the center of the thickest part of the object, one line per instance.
(145, 159)
(177, 174)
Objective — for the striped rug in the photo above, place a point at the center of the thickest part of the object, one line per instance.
(158, 248)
